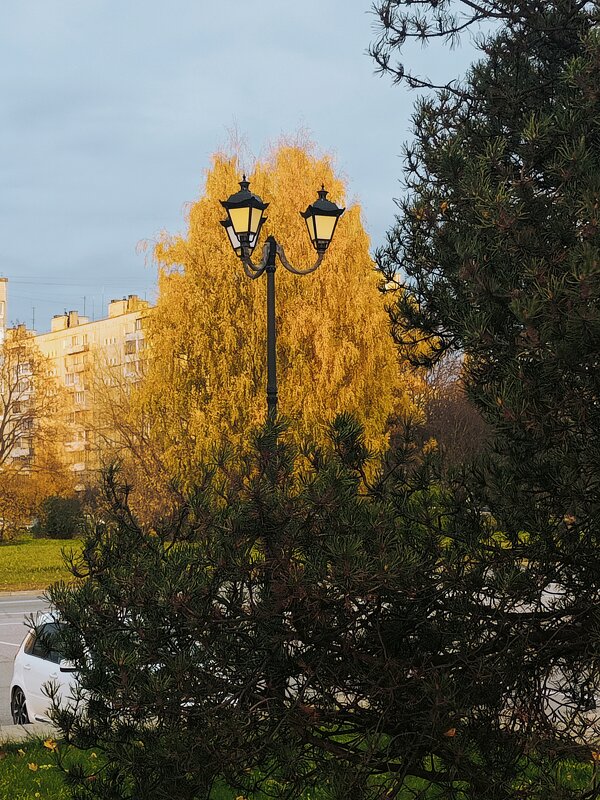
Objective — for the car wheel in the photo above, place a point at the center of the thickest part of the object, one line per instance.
(18, 707)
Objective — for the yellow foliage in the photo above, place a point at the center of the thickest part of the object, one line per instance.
(50, 744)
(206, 378)
(430, 446)
(119, 432)
(31, 410)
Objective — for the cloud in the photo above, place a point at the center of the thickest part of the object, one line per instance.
(113, 108)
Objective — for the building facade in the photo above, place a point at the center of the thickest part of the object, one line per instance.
(76, 351)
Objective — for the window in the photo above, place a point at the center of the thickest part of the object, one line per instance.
(46, 643)
(80, 397)
(130, 348)
(138, 324)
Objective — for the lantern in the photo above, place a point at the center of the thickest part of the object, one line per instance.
(321, 218)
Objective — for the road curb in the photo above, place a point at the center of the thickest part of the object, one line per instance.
(23, 593)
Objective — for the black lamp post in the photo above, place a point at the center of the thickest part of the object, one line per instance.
(245, 218)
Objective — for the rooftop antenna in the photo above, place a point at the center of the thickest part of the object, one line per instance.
(33, 318)
(84, 305)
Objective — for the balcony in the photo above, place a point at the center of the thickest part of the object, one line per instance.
(77, 348)
(76, 367)
(76, 446)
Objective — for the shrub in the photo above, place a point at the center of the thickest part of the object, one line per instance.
(60, 518)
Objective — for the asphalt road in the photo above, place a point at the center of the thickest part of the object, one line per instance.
(14, 609)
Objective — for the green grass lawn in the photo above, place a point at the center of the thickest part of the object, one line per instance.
(29, 563)
(29, 770)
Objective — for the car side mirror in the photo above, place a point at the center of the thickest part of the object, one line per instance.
(66, 666)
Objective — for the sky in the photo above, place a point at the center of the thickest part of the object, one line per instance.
(111, 110)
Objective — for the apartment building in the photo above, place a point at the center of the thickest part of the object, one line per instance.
(3, 292)
(74, 343)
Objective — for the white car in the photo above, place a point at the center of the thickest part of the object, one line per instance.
(39, 662)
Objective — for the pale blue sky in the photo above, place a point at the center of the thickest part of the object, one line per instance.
(112, 108)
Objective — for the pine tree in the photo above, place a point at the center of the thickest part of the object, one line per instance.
(285, 631)
(298, 626)
(496, 249)
(499, 239)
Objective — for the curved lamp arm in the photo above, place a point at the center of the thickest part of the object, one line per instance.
(255, 271)
(288, 266)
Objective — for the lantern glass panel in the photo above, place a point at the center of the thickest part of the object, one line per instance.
(235, 242)
(239, 219)
(324, 226)
(255, 220)
(310, 224)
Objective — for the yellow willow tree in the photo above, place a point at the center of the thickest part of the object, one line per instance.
(206, 376)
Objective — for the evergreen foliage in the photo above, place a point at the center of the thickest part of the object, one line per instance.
(499, 238)
(298, 625)
(60, 518)
(496, 252)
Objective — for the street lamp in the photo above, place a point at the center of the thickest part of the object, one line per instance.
(245, 218)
